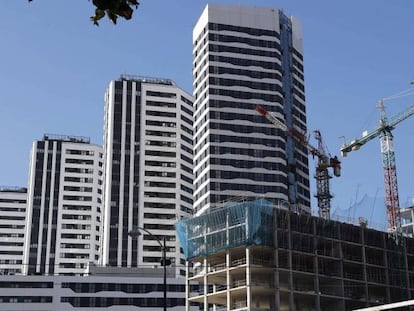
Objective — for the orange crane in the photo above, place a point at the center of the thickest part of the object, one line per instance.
(325, 161)
(384, 129)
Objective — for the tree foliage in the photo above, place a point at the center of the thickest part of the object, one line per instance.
(113, 9)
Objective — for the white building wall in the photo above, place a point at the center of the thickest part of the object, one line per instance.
(13, 204)
(107, 137)
(79, 227)
(126, 291)
(168, 181)
(29, 210)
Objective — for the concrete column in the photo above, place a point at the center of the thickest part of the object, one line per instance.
(205, 284)
(187, 287)
(248, 279)
(291, 298)
(228, 262)
(364, 261)
(276, 299)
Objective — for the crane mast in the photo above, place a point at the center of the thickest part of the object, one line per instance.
(325, 161)
(322, 176)
(392, 204)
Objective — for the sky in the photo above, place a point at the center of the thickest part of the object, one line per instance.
(55, 66)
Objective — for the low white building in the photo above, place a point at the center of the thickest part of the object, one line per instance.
(108, 289)
(13, 203)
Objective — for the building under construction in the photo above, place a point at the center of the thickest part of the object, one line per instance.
(253, 256)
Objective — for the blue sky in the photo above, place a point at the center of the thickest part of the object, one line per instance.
(55, 66)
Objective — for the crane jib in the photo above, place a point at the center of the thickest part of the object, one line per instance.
(325, 161)
(388, 159)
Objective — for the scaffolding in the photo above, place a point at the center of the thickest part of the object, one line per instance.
(234, 224)
(254, 255)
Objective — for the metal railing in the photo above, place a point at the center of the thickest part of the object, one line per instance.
(144, 79)
(67, 138)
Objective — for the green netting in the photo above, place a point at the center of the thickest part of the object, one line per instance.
(230, 225)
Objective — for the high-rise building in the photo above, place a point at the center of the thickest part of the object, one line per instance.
(148, 169)
(13, 203)
(243, 57)
(63, 223)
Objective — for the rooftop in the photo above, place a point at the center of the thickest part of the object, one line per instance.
(13, 189)
(152, 80)
(67, 138)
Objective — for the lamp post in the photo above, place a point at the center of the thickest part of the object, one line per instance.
(134, 233)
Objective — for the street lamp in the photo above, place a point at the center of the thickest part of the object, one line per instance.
(134, 233)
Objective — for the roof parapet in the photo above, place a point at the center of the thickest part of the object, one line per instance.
(152, 80)
(15, 189)
(67, 138)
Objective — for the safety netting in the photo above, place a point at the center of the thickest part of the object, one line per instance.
(230, 225)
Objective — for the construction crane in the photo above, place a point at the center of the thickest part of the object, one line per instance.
(325, 161)
(384, 129)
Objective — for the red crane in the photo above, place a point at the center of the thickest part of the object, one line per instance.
(325, 161)
(392, 204)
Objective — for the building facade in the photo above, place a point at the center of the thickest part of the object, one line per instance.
(244, 57)
(13, 204)
(64, 217)
(148, 169)
(255, 256)
(125, 289)
(407, 223)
